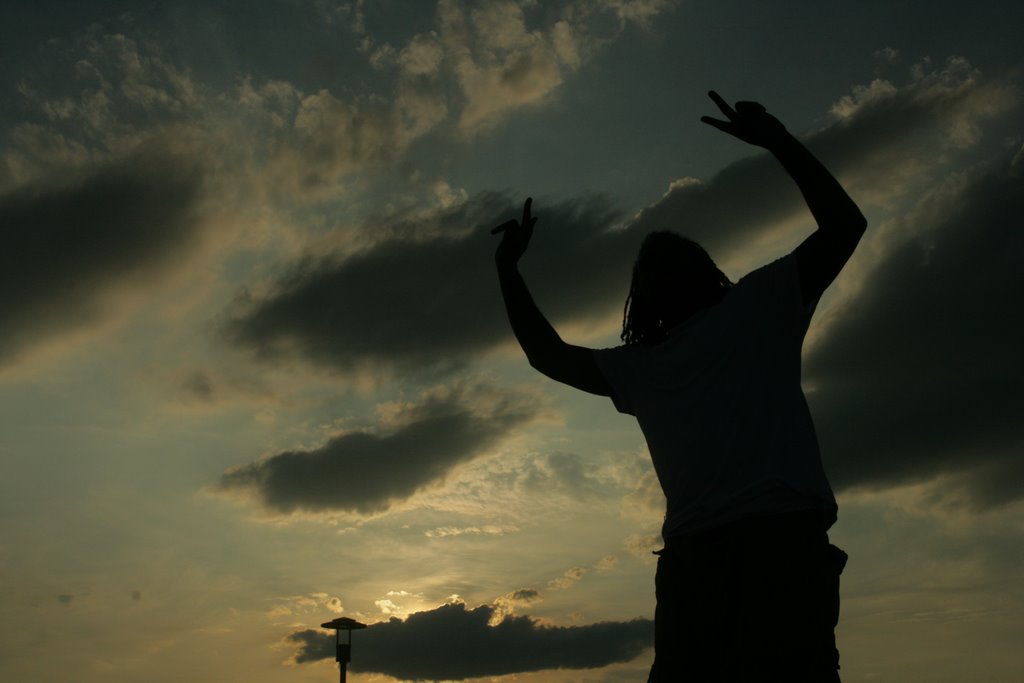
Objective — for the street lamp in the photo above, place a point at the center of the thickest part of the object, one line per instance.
(344, 652)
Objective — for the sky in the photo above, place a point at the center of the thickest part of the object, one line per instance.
(255, 372)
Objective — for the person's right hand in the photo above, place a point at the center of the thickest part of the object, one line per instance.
(516, 237)
(749, 122)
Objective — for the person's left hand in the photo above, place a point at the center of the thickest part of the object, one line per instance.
(748, 121)
(516, 236)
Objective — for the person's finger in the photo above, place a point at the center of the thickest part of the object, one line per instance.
(722, 104)
(751, 107)
(526, 211)
(504, 226)
(724, 126)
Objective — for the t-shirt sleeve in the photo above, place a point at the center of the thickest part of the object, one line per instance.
(617, 366)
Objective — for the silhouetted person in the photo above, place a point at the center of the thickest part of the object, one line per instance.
(747, 584)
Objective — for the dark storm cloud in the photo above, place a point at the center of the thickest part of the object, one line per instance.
(68, 245)
(367, 472)
(921, 372)
(455, 643)
(433, 301)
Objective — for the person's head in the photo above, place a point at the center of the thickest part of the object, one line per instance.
(673, 278)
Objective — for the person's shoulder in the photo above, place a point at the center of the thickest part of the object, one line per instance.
(775, 287)
(620, 351)
(779, 268)
(769, 282)
(632, 356)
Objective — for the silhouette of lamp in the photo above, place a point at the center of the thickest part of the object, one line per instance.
(344, 651)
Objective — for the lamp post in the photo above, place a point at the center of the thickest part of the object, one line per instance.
(344, 651)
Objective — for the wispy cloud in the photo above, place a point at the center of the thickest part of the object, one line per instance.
(305, 604)
(500, 56)
(95, 97)
(485, 530)
(506, 605)
(479, 63)
(570, 577)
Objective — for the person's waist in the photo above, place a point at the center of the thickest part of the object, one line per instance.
(726, 503)
(809, 519)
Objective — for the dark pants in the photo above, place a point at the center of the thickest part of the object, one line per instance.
(757, 600)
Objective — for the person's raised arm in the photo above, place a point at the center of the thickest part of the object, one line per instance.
(840, 223)
(572, 365)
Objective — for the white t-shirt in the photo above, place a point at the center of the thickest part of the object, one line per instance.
(720, 404)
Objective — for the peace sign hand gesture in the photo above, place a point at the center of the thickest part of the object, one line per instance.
(749, 122)
(516, 238)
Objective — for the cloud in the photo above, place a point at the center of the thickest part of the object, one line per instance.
(428, 297)
(305, 604)
(480, 62)
(920, 373)
(500, 65)
(506, 605)
(568, 579)
(94, 97)
(573, 575)
(566, 474)
(502, 59)
(515, 489)
(318, 140)
(368, 471)
(643, 546)
(645, 502)
(401, 603)
(197, 384)
(425, 294)
(504, 65)
(455, 643)
(485, 530)
(863, 95)
(72, 248)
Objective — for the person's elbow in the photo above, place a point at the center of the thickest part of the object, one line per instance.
(856, 223)
(571, 365)
(860, 223)
(847, 231)
(544, 361)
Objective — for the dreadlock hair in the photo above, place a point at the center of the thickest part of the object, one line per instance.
(677, 263)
